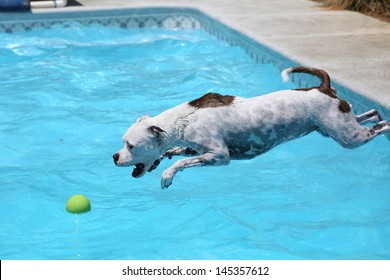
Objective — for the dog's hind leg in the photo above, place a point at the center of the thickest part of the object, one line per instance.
(370, 116)
(383, 127)
(347, 131)
(353, 136)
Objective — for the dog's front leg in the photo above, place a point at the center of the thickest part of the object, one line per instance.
(207, 159)
(181, 151)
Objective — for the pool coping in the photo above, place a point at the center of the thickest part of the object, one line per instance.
(353, 48)
(213, 26)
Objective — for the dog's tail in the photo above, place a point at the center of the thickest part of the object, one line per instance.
(324, 87)
(325, 80)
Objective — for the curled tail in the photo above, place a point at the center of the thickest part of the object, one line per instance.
(324, 87)
(325, 80)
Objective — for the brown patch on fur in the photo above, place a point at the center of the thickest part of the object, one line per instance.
(344, 106)
(211, 100)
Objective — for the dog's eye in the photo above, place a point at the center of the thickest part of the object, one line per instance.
(129, 146)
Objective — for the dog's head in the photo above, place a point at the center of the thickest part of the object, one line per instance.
(142, 147)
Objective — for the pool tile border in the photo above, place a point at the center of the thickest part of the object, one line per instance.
(178, 18)
(129, 18)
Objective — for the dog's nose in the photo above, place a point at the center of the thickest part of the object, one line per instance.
(116, 157)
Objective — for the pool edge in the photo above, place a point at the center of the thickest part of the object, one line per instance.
(215, 27)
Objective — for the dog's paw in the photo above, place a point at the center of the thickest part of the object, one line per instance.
(166, 182)
(166, 179)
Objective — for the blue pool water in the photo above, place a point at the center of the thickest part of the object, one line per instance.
(68, 95)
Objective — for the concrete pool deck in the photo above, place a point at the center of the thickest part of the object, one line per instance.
(353, 48)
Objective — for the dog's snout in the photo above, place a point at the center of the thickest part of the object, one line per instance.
(116, 157)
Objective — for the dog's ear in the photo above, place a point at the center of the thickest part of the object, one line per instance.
(156, 130)
(144, 117)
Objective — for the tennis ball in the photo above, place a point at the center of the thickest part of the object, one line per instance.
(78, 204)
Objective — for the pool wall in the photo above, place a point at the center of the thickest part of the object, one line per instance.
(178, 18)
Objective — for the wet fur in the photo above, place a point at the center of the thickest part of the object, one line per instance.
(214, 129)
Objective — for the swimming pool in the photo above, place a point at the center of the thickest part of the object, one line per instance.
(70, 91)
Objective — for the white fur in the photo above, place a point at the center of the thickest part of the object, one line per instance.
(285, 73)
(242, 130)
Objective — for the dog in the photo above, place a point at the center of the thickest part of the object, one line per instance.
(214, 129)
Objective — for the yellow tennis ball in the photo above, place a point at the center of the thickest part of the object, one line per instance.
(78, 204)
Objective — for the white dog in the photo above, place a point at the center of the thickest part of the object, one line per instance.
(214, 129)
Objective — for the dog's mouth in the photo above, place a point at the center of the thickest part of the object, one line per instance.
(139, 170)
